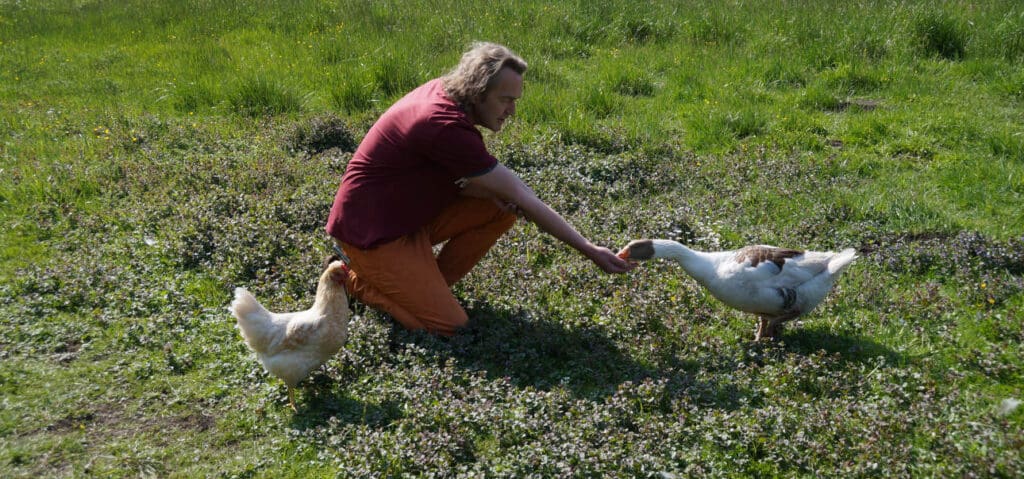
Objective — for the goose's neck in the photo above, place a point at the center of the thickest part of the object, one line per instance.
(674, 250)
(697, 264)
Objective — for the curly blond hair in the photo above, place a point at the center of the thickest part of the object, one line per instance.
(475, 73)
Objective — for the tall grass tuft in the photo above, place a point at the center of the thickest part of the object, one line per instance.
(780, 74)
(1007, 143)
(354, 93)
(396, 75)
(632, 82)
(853, 79)
(574, 127)
(716, 129)
(260, 95)
(194, 95)
(819, 97)
(1012, 86)
(713, 30)
(939, 34)
(639, 30)
(601, 102)
(744, 123)
(1009, 36)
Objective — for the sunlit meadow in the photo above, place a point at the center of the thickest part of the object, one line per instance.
(155, 155)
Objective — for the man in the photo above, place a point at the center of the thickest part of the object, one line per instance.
(423, 176)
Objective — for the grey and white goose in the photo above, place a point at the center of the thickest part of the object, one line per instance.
(776, 284)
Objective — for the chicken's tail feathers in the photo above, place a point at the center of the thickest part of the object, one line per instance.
(245, 305)
(253, 318)
(840, 261)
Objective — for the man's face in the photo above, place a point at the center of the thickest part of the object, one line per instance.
(499, 102)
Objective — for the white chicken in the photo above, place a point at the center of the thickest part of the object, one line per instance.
(290, 345)
(777, 284)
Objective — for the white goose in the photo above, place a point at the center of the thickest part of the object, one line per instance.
(777, 284)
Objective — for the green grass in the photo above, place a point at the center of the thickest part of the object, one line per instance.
(155, 155)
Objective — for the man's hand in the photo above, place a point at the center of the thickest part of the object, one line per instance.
(608, 261)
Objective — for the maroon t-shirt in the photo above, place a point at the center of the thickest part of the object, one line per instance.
(405, 170)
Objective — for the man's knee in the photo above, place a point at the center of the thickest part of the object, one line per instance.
(450, 324)
(460, 320)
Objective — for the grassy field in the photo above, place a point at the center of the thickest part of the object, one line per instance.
(154, 155)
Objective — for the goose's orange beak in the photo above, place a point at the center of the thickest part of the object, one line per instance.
(624, 254)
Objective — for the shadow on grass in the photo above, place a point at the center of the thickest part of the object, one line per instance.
(849, 348)
(545, 354)
(321, 402)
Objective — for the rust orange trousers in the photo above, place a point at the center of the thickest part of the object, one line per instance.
(403, 277)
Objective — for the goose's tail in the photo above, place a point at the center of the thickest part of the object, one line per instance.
(840, 261)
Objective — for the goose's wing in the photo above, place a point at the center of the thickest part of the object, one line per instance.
(756, 264)
(803, 268)
(761, 253)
